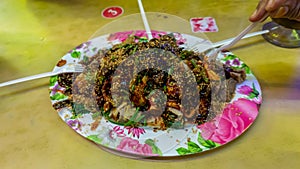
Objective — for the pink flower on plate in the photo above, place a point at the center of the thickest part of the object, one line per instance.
(179, 38)
(74, 124)
(122, 36)
(251, 93)
(135, 131)
(110, 135)
(235, 119)
(130, 145)
(155, 34)
(246, 90)
(56, 88)
(236, 62)
(117, 130)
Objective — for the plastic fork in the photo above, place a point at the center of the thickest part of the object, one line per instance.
(70, 68)
(199, 48)
(213, 55)
(144, 18)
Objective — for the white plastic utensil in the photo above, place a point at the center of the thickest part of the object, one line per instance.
(238, 37)
(72, 68)
(249, 35)
(213, 55)
(145, 21)
(200, 48)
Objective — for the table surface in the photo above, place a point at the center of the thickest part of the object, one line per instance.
(35, 34)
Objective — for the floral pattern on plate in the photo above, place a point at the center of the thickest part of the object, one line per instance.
(236, 117)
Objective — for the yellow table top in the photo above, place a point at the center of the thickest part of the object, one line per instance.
(34, 35)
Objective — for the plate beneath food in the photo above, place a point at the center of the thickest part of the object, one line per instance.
(156, 97)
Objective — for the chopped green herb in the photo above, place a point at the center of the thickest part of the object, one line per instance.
(79, 109)
(113, 58)
(58, 96)
(132, 88)
(53, 80)
(97, 114)
(194, 63)
(75, 54)
(171, 70)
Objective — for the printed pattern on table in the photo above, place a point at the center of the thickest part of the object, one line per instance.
(203, 24)
(112, 12)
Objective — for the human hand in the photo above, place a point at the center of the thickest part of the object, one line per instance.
(289, 9)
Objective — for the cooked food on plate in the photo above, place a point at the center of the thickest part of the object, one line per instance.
(156, 83)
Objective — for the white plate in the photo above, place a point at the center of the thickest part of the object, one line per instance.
(236, 117)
